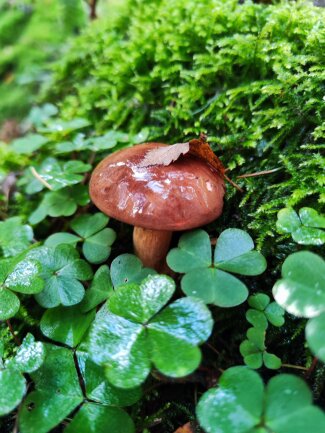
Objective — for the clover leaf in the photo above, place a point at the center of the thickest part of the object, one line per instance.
(62, 271)
(301, 292)
(210, 280)
(92, 418)
(29, 144)
(12, 389)
(137, 331)
(60, 203)
(30, 355)
(127, 268)
(100, 289)
(306, 229)
(66, 325)
(264, 311)
(96, 144)
(29, 358)
(15, 237)
(241, 404)
(97, 238)
(98, 388)
(57, 392)
(58, 128)
(22, 276)
(56, 174)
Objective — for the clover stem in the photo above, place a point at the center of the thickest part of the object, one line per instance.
(17, 341)
(151, 246)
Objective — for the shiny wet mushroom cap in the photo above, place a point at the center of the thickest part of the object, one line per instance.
(158, 199)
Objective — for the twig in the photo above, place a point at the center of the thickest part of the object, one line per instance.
(17, 341)
(233, 183)
(298, 367)
(93, 4)
(259, 173)
(39, 177)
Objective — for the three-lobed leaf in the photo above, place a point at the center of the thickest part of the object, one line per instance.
(211, 281)
(137, 331)
(240, 404)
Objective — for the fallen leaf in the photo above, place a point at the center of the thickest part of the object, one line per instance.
(199, 148)
(185, 429)
(8, 184)
(165, 155)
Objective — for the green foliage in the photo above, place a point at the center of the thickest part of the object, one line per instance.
(15, 237)
(61, 270)
(301, 292)
(28, 359)
(97, 239)
(254, 349)
(22, 276)
(250, 76)
(31, 35)
(137, 331)
(305, 228)
(209, 280)
(58, 393)
(241, 404)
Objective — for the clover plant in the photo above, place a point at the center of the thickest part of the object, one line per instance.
(305, 228)
(211, 280)
(15, 236)
(91, 229)
(61, 270)
(136, 331)
(18, 276)
(29, 358)
(241, 404)
(301, 292)
(58, 392)
(254, 349)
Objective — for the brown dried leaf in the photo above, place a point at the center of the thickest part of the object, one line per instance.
(201, 149)
(165, 155)
(185, 429)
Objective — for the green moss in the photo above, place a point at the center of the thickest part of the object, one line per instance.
(251, 76)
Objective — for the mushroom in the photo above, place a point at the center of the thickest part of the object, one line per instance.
(157, 200)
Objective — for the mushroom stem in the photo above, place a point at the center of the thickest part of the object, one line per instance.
(151, 246)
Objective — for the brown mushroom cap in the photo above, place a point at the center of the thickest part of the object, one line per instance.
(181, 196)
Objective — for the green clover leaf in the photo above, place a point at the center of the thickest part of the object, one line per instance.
(127, 268)
(96, 144)
(66, 325)
(57, 392)
(58, 128)
(29, 144)
(211, 281)
(301, 292)
(30, 355)
(263, 311)
(92, 418)
(12, 389)
(97, 239)
(100, 289)
(29, 358)
(60, 203)
(57, 175)
(62, 271)
(306, 229)
(241, 404)
(15, 237)
(137, 331)
(17, 276)
(98, 388)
